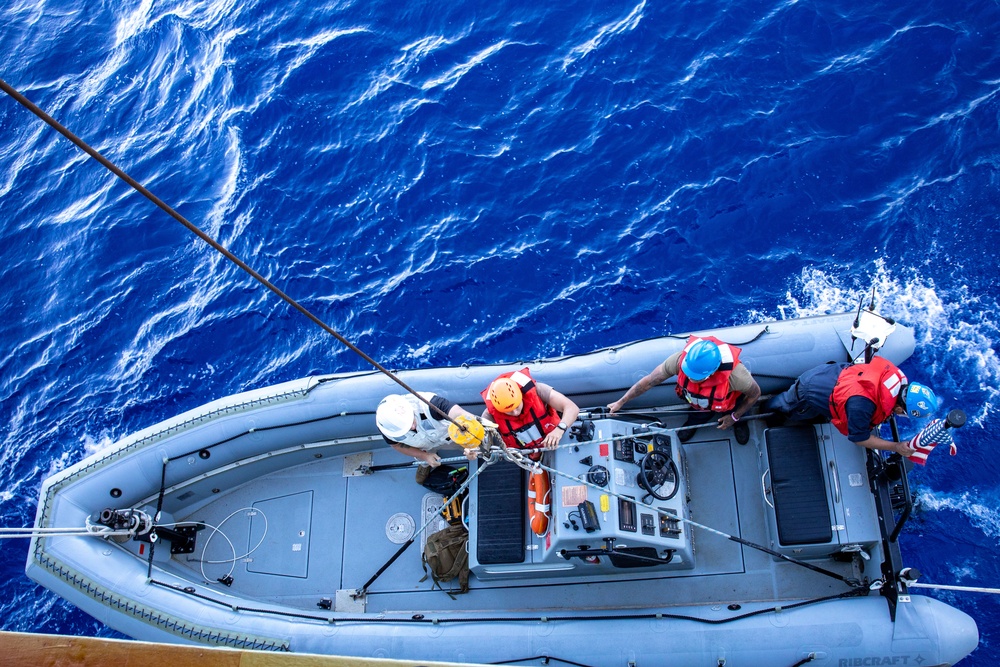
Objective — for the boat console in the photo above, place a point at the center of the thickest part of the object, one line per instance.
(596, 525)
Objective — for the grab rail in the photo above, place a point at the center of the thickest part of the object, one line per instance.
(908, 507)
(835, 478)
(763, 488)
(898, 462)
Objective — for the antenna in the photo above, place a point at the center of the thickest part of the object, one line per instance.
(871, 327)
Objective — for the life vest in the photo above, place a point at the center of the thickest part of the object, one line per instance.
(539, 501)
(528, 429)
(431, 433)
(712, 393)
(879, 381)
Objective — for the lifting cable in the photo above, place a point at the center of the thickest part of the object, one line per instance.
(363, 591)
(138, 187)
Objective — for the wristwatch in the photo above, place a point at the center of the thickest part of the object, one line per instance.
(562, 426)
(733, 415)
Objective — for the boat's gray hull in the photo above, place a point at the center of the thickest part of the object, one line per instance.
(267, 431)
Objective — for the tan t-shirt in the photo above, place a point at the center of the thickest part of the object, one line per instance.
(739, 380)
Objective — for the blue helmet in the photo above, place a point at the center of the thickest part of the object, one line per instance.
(919, 400)
(702, 359)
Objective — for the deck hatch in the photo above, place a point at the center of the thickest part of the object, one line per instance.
(801, 508)
(501, 515)
(285, 550)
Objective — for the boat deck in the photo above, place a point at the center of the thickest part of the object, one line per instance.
(313, 547)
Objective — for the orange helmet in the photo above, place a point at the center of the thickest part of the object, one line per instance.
(505, 395)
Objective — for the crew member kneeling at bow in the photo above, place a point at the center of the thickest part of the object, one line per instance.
(527, 415)
(856, 398)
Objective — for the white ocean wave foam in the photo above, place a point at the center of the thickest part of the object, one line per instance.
(273, 366)
(204, 16)
(90, 205)
(953, 326)
(92, 445)
(450, 79)
(228, 192)
(604, 33)
(174, 319)
(305, 49)
(965, 571)
(974, 505)
(409, 60)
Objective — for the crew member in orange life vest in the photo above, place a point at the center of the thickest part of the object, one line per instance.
(527, 412)
(711, 378)
(856, 398)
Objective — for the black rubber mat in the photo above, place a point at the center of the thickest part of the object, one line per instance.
(501, 514)
(798, 487)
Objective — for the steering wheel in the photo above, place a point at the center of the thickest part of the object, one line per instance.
(655, 470)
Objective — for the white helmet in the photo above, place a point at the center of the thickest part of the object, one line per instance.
(394, 416)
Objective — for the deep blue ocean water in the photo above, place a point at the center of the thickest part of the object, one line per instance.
(451, 182)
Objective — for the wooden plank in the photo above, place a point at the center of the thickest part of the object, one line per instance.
(21, 649)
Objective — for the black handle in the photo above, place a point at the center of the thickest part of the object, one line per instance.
(955, 419)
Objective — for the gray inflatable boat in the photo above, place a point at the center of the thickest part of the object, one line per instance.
(261, 520)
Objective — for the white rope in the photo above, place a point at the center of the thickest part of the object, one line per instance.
(518, 456)
(218, 530)
(495, 455)
(90, 530)
(598, 413)
(967, 589)
(653, 430)
(461, 489)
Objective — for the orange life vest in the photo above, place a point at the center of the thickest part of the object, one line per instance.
(879, 381)
(528, 429)
(712, 393)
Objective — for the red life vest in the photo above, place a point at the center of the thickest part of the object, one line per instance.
(528, 429)
(712, 393)
(879, 381)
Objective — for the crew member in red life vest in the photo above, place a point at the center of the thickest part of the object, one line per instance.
(856, 398)
(527, 413)
(711, 378)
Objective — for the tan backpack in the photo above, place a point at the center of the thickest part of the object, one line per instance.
(447, 557)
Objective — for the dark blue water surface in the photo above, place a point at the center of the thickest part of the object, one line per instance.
(479, 182)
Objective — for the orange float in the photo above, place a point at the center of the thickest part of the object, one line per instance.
(539, 502)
